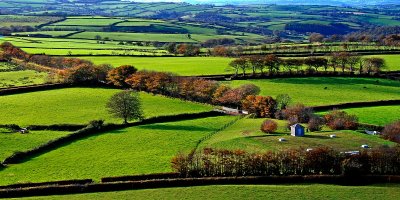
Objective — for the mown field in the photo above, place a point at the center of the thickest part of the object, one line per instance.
(137, 150)
(246, 135)
(239, 192)
(311, 91)
(81, 105)
(185, 66)
(13, 142)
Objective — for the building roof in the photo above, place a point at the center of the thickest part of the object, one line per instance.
(297, 125)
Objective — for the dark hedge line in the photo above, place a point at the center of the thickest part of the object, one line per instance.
(140, 177)
(56, 127)
(19, 157)
(41, 184)
(33, 88)
(186, 182)
(356, 105)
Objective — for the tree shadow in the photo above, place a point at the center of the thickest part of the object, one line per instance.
(176, 127)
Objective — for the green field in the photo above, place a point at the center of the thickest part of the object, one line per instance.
(380, 115)
(245, 134)
(239, 192)
(87, 22)
(137, 150)
(179, 65)
(158, 37)
(13, 142)
(81, 105)
(21, 78)
(68, 44)
(311, 91)
(49, 33)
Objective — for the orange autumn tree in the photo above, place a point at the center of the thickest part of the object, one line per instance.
(118, 75)
(260, 105)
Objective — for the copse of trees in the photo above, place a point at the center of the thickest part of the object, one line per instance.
(344, 61)
(118, 75)
(184, 49)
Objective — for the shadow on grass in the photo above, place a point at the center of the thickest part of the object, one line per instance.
(176, 127)
(317, 137)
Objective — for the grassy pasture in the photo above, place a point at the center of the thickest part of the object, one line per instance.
(50, 33)
(30, 44)
(239, 192)
(19, 20)
(311, 91)
(21, 78)
(12, 142)
(179, 65)
(137, 150)
(245, 134)
(152, 37)
(81, 105)
(87, 22)
(392, 61)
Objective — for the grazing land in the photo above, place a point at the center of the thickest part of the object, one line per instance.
(191, 40)
(245, 134)
(281, 192)
(81, 105)
(13, 142)
(312, 92)
(137, 150)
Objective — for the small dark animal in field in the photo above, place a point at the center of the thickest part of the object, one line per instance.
(365, 87)
(325, 88)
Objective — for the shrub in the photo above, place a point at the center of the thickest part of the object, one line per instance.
(299, 112)
(340, 120)
(85, 73)
(392, 132)
(315, 124)
(269, 126)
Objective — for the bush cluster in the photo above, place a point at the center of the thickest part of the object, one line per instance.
(340, 120)
(319, 161)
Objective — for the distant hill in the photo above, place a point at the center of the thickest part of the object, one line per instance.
(292, 2)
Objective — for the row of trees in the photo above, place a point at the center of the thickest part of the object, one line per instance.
(342, 60)
(319, 161)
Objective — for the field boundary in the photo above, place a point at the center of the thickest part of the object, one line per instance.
(47, 190)
(89, 130)
(356, 105)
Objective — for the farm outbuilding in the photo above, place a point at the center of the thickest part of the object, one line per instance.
(297, 130)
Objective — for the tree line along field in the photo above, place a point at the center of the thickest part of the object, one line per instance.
(220, 192)
(137, 150)
(55, 106)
